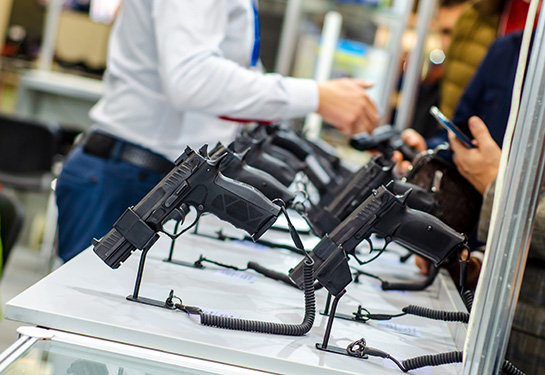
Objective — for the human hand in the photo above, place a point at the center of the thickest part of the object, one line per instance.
(414, 140)
(478, 165)
(345, 104)
(422, 264)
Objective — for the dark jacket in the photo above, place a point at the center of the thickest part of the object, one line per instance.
(489, 93)
(476, 28)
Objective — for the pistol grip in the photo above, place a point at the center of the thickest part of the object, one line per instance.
(241, 205)
(424, 234)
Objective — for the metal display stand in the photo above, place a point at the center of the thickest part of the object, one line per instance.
(411, 81)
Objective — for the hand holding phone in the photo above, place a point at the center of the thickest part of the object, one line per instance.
(449, 125)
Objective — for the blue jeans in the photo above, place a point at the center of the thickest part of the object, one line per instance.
(92, 193)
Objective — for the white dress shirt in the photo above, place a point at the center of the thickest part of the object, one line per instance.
(174, 66)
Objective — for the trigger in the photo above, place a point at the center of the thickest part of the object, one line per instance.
(177, 215)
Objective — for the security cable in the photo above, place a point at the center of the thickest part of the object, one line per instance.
(261, 326)
(360, 349)
(267, 272)
(269, 327)
(363, 314)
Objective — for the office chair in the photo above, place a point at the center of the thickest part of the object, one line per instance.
(11, 222)
(28, 151)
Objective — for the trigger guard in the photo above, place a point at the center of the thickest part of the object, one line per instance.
(190, 225)
(180, 214)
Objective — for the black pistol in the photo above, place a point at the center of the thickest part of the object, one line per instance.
(388, 216)
(315, 166)
(350, 194)
(285, 146)
(233, 166)
(196, 181)
(384, 139)
(255, 153)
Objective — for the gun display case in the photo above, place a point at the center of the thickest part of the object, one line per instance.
(42, 351)
(86, 297)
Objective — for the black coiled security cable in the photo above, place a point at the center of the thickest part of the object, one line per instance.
(447, 316)
(360, 349)
(432, 360)
(450, 357)
(269, 327)
(510, 369)
(467, 298)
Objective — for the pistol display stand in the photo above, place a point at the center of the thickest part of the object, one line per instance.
(326, 311)
(325, 343)
(173, 242)
(134, 297)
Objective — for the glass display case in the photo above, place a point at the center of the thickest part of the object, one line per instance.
(46, 352)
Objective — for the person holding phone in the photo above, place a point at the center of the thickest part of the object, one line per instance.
(449, 125)
(479, 165)
(486, 96)
(491, 98)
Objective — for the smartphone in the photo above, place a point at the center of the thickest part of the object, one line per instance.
(449, 125)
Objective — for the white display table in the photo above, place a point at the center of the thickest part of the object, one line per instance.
(86, 297)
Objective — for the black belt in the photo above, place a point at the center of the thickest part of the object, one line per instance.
(102, 145)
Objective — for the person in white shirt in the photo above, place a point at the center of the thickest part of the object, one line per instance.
(176, 69)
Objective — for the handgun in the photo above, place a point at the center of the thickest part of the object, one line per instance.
(233, 166)
(195, 181)
(322, 152)
(317, 168)
(387, 215)
(348, 196)
(384, 139)
(295, 151)
(253, 151)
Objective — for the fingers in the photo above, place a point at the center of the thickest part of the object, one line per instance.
(455, 144)
(397, 157)
(414, 140)
(422, 264)
(368, 118)
(364, 84)
(478, 165)
(460, 154)
(345, 104)
(402, 168)
(479, 130)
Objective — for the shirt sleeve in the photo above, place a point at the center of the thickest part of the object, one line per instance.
(198, 77)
